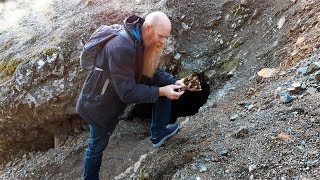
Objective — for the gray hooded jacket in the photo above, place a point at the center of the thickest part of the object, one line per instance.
(105, 93)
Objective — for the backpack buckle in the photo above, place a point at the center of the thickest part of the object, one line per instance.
(97, 69)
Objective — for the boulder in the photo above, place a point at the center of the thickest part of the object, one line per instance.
(266, 73)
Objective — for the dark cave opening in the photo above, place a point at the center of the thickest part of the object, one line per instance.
(188, 104)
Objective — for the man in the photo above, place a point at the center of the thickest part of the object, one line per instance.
(129, 64)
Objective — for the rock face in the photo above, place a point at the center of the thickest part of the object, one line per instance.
(40, 76)
(40, 94)
(40, 79)
(226, 41)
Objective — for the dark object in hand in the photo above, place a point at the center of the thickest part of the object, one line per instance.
(191, 80)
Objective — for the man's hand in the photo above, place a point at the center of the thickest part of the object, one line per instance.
(169, 92)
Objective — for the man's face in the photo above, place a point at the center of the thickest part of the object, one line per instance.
(157, 37)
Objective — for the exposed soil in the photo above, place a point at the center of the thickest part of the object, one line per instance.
(245, 130)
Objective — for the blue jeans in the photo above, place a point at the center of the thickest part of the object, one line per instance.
(161, 112)
(99, 137)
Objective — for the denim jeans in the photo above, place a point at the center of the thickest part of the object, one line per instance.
(99, 137)
(161, 112)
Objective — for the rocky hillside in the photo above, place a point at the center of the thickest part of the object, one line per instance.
(259, 59)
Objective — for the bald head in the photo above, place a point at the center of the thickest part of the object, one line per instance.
(156, 29)
(157, 19)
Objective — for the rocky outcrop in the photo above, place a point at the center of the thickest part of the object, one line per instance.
(225, 41)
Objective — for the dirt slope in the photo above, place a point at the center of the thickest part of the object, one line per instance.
(245, 130)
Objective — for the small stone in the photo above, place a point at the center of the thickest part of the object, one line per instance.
(313, 163)
(285, 98)
(315, 66)
(277, 92)
(251, 177)
(302, 70)
(185, 26)
(230, 74)
(252, 167)
(194, 167)
(300, 41)
(224, 153)
(311, 90)
(234, 117)
(198, 178)
(281, 21)
(203, 168)
(177, 56)
(295, 88)
(251, 107)
(296, 85)
(244, 2)
(241, 133)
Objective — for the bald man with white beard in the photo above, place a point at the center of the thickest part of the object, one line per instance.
(130, 65)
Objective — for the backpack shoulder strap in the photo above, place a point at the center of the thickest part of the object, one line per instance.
(124, 34)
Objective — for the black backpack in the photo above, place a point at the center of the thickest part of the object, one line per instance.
(96, 42)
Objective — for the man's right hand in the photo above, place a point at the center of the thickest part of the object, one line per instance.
(169, 92)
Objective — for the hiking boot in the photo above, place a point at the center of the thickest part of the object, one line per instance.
(168, 132)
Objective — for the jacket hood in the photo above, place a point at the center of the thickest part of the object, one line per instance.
(133, 25)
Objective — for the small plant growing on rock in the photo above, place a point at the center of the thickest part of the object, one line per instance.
(13, 64)
(240, 10)
(2, 66)
(236, 44)
(50, 51)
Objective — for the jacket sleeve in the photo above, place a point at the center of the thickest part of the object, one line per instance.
(122, 65)
(163, 78)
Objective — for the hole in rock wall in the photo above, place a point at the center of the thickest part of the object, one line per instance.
(188, 104)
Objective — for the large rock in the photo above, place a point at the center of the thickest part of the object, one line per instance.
(40, 94)
(266, 73)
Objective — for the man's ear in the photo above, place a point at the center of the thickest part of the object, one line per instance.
(148, 27)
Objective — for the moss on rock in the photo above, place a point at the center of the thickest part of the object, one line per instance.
(3, 66)
(225, 65)
(230, 64)
(235, 63)
(50, 51)
(13, 64)
(236, 44)
(239, 10)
